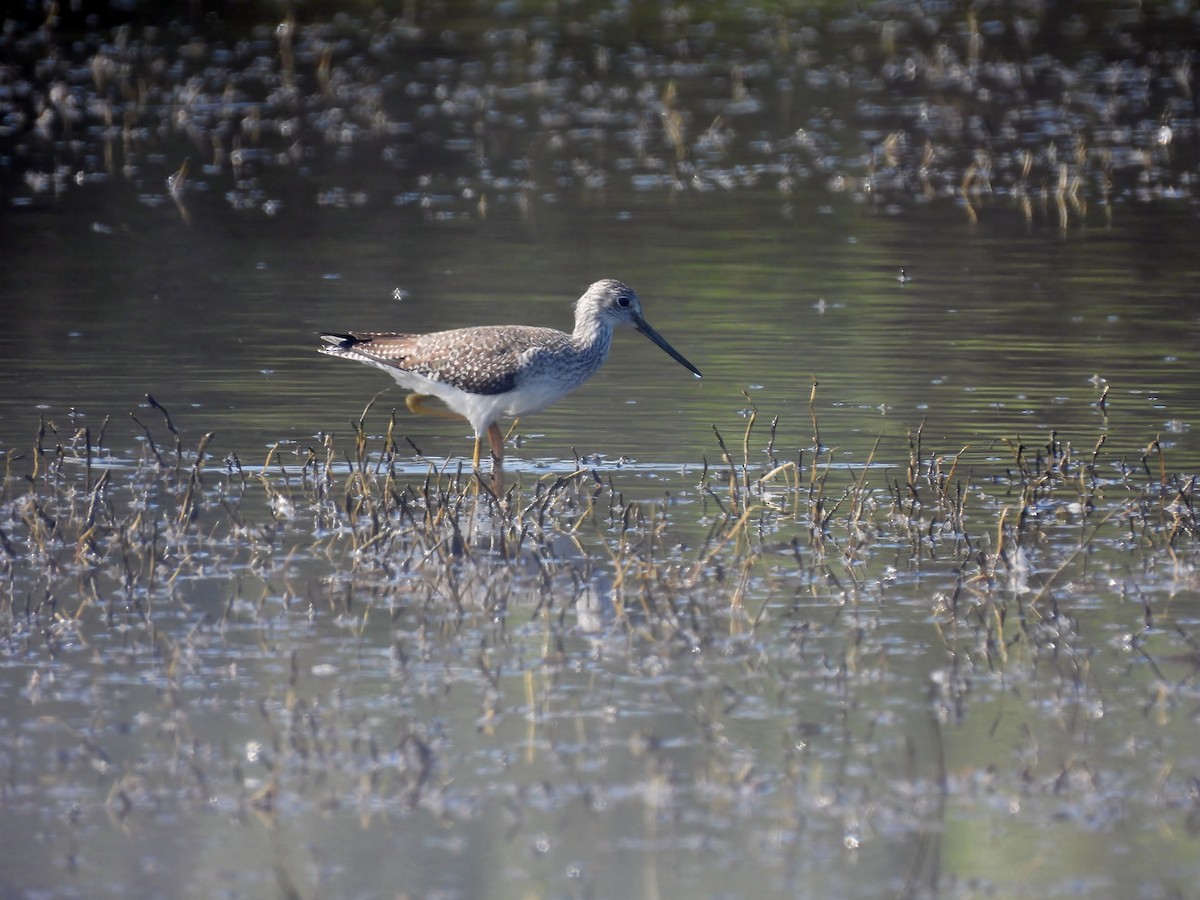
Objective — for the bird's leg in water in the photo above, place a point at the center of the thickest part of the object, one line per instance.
(496, 439)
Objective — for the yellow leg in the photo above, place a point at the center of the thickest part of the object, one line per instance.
(418, 403)
(496, 439)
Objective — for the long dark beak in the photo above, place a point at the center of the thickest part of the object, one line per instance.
(644, 327)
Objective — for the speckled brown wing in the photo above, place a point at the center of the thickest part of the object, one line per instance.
(476, 360)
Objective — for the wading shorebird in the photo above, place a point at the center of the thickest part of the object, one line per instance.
(490, 372)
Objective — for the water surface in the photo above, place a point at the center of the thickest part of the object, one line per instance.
(952, 653)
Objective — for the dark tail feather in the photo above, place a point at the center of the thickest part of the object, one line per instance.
(340, 341)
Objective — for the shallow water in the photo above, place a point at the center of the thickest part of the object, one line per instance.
(289, 678)
(306, 702)
(997, 333)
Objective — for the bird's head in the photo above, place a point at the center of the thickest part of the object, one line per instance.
(610, 303)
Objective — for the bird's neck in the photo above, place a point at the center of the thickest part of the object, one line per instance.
(591, 336)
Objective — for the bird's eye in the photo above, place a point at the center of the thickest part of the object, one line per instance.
(623, 301)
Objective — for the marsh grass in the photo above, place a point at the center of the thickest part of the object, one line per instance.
(759, 576)
(121, 532)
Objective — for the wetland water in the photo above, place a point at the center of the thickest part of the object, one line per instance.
(932, 629)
